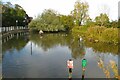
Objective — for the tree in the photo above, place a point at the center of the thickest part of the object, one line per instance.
(1, 7)
(114, 24)
(80, 12)
(67, 21)
(11, 13)
(49, 20)
(119, 22)
(20, 14)
(89, 22)
(1, 13)
(102, 20)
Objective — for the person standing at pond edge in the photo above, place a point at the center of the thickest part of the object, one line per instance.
(84, 64)
(70, 67)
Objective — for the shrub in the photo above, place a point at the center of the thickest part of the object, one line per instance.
(100, 33)
(95, 32)
(110, 35)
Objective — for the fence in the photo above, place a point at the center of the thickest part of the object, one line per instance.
(11, 28)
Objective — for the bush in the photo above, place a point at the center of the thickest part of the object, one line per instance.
(110, 35)
(80, 29)
(103, 34)
(95, 32)
(98, 33)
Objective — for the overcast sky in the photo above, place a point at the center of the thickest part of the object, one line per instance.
(35, 7)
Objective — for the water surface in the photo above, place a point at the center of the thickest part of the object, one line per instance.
(35, 56)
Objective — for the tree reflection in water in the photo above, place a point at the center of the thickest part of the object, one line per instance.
(103, 47)
(77, 48)
(106, 69)
(48, 41)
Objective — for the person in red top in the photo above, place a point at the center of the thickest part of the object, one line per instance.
(70, 67)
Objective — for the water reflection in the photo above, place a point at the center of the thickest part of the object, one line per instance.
(103, 47)
(45, 56)
(15, 43)
(106, 68)
(48, 41)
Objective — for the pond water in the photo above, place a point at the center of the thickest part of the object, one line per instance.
(35, 56)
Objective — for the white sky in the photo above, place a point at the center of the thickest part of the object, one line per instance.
(35, 7)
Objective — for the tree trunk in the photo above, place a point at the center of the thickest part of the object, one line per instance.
(80, 23)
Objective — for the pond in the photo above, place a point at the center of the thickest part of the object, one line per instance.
(35, 56)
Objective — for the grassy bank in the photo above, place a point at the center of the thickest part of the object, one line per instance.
(97, 33)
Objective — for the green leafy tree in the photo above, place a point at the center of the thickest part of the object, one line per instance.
(49, 20)
(114, 24)
(89, 22)
(67, 21)
(11, 13)
(80, 12)
(20, 13)
(102, 20)
(119, 23)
